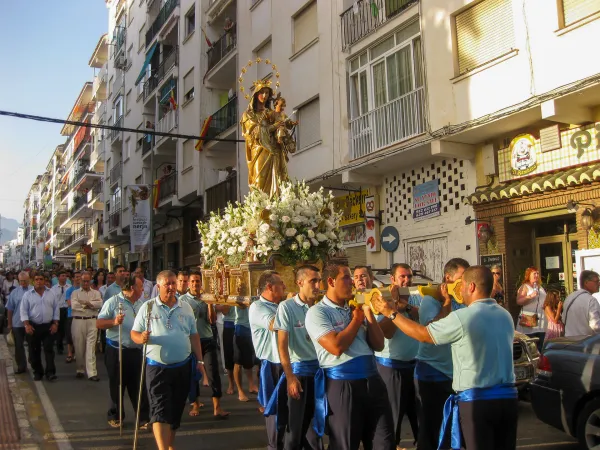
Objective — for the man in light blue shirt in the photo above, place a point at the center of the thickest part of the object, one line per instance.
(344, 340)
(121, 311)
(40, 315)
(261, 316)
(481, 337)
(168, 326)
(299, 360)
(15, 323)
(121, 274)
(60, 290)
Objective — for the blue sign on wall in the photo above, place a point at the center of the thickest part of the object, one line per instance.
(426, 200)
(390, 239)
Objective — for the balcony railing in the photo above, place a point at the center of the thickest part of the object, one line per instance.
(118, 40)
(114, 219)
(393, 122)
(222, 47)
(167, 123)
(116, 133)
(168, 186)
(220, 194)
(80, 232)
(223, 119)
(147, 143)
(115, 172)
(95, 190)
(80, 172)
(168, 62)
(78, 203)
(160, 20)
(365, 16)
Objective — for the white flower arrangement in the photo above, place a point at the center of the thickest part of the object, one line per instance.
(297, 224)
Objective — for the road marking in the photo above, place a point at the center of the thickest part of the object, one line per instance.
(547, 444)
(60, 437)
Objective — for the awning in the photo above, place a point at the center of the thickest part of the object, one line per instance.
(538, 184)
(146, 62)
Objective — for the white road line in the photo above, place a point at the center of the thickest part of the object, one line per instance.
(60, 437)
(546, 444)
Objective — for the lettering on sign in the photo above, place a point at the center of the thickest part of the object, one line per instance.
(350, 205)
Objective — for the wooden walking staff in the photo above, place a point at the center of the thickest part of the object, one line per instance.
(139, 399)
(120, 375)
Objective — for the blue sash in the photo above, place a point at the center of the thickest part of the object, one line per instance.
(357, 368)
(151, 362)
(228, 324)
(266, 384)
(450, 433)
(113, 344)
(428, 373)
(241, 330)
(194, 379)
(395, 363)
(301, 369)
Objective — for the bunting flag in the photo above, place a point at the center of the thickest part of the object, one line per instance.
(206, 38)
(374, 9)
(203, 133)
(172, 100)
(156, 193)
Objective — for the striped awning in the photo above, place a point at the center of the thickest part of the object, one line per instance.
(538, 184)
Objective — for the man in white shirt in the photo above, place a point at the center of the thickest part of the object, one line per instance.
(60, 291)
(581, 311)
(139, 273)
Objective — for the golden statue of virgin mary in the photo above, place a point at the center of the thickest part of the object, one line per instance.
(265, 152)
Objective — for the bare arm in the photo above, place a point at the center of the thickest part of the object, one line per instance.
(9, 315)
(337, 343)
(138, 337)
(408, 327)
(388, 328)
(105, 324)
(550, 315)
(559, 312)
(522, 297)
(212, 315)
(375, 336)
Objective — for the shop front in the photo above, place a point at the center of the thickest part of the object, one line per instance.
(542, 208)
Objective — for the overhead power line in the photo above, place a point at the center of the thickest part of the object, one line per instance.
(145, 131)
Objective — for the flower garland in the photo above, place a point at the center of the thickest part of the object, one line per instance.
(297, 224)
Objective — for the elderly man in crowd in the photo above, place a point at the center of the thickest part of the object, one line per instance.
(15, 323)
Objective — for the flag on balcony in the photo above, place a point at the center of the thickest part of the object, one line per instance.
(156, 193)
(203, 133)
(172, 100)
(374, 9)
(206, 38)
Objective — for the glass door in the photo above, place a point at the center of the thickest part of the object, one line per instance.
(555, 256)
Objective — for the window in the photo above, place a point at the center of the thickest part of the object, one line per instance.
(188, 86)
(263, 70)
(484, 32)
(128, 101)
(190, 21)
(387, 71)
(127, 150)
(130, 14)
(187, 158)
(305, 27)
(309, 127)
(118, 108)
(142, 38)
(129, 57)
(575, 10)
(138, 180)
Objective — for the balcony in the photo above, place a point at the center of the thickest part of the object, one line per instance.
(222, 48)
(162, 18)
(95, 196)
(81, 139)
(147, 142)
(114, 219)
(223, 119)
(370, 16)
(168, 187)
(115, 135)
(115, 173)
(169, 61)
(80, 234)
(118, 41)
(389, 124)
(167, 123)
(220, 194)
(99, 86)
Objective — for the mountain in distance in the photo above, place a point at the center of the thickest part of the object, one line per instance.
(9, 229)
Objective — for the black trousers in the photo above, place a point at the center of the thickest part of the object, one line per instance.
(68, 333)
(62, 329)
(19, 334)
(211, 365)
(431, 397)
(41, 338)
(489, 424)
(168, 390)
(299, 433)
(228, 336)
(400, 386)
(243, 353)
(359, 411)
(132, 369)
(276, 424)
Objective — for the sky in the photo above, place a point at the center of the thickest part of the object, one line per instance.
(44, 56)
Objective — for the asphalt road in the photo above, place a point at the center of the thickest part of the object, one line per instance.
(71, 414)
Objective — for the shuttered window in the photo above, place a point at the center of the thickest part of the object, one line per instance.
(309, 126)
(574, 10)
(306, 27)
(188, 153)
(484, 32)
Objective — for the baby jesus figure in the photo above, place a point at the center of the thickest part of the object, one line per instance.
(283, 126)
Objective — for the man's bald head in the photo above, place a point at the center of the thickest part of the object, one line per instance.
(477, 284)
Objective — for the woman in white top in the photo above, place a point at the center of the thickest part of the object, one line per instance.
(8, 282)
(531, 297)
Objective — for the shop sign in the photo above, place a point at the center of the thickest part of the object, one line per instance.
(426, 200)
(372, 226)
(139, 202)
(351, 206)
(354, 235)
(525, 157)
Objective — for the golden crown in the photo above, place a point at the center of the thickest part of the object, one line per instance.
(258, 84)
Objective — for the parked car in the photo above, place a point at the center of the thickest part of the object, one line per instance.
(566, 391)
(525, 362)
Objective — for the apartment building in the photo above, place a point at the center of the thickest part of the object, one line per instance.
(31, 218)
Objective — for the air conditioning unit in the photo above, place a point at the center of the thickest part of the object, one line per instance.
(121, 62)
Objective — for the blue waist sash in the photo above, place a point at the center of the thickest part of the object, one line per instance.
(301, 369)
(266, 383)
(395, 363)
(241, 330)
(228, 324)
(357, 368)
(450, 433)
(151, 362)
(113, 344)
(428, 373)
(194, 379)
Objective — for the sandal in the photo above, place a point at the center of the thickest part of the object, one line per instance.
(69, 359)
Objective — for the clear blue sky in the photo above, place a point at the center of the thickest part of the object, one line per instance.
(46, 46)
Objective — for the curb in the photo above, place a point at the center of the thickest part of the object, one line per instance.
(25, 428)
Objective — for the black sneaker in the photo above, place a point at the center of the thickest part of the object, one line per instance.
(94, 378)
(37, 377)
(51, 377)
(79, 375)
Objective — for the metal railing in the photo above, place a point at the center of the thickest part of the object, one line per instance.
(220, 194)
(168, 62)
(83, 231)
(222, 47)
(78, 203)
(80, 172)
(115, 172)
(168, 186)
(147, 143)
(167, 123)
(95, 190)
(118, 40)
(114, 219)
(160, 20)
(393, 122)
(364, 17)
(223, 119)
(114, 134)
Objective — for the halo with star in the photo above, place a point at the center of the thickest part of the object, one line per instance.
(245, 70)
